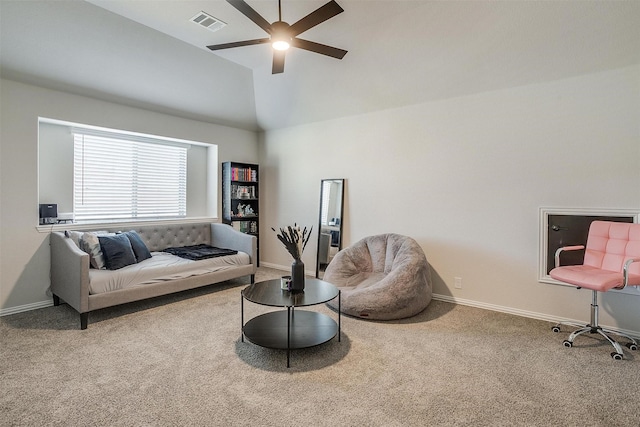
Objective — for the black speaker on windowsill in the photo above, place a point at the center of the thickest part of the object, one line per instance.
(48, 213)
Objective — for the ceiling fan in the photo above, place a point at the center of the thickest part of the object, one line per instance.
(283, 35)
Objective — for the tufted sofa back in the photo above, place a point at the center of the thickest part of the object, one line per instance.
(159, 237)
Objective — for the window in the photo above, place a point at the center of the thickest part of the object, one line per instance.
(324, 209)
(122, 177)
(105, 175)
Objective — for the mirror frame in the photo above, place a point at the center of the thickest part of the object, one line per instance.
(342, 184)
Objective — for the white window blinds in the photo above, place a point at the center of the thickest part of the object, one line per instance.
(126, 179)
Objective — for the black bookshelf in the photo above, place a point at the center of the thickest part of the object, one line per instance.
(240, 198)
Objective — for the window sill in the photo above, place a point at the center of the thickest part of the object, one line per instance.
(48, 228)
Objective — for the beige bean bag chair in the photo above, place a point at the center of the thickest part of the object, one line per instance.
(381, 277)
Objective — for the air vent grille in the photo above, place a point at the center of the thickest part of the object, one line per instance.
(208, 21)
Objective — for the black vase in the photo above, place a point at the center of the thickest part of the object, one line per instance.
(297, 276)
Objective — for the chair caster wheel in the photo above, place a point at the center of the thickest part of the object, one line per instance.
(556, 329)
(568, 343)
(632, 346)
(616, 356)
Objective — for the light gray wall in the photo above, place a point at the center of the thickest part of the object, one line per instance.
(24, 252)
(55, 166)
(466, 177)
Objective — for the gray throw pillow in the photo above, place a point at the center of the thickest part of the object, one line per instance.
(139, 248)
(117, 251)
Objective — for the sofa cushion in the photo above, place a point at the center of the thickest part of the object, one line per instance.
(117, 251)
(140, 250)
(162, 268)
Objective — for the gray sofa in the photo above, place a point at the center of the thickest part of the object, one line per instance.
(71, 275)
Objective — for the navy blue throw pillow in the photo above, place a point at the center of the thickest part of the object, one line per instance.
(139, 248)
(117, 251)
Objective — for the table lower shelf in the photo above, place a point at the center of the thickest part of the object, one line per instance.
(308, 329)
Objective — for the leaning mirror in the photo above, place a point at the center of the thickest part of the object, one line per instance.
(330, 223)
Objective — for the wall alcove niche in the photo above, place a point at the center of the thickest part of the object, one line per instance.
(568, 226)
(147, 188)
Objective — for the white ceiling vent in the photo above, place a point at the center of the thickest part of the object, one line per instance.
(208, 21)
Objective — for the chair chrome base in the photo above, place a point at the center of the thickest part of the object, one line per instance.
(594, 328)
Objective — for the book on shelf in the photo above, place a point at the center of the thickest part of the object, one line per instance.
(244, 174)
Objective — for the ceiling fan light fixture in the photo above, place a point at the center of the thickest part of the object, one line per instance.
(280, 37)
(280, 45)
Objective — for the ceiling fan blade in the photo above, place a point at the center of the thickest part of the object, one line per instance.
(250, 13)
(319, 48)
(239, 44)
(278, 62)
(316, 17)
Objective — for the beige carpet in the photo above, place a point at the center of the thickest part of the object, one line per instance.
(178, 361)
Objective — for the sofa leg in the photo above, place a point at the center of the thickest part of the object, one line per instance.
(253, 279)
(56, 300)
(84, 320)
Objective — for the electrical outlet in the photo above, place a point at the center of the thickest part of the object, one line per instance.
(457, 282)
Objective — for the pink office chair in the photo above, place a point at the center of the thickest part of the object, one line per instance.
(611, 261)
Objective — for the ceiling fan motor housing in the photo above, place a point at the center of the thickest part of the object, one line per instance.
(282, 35)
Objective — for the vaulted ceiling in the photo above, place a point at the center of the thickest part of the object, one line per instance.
(148, 53)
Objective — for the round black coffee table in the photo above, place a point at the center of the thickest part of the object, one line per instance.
(290, 329)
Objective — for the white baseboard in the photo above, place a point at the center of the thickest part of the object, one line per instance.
(26, 307)
(524, 313)
(492, 307)
(445, 298)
